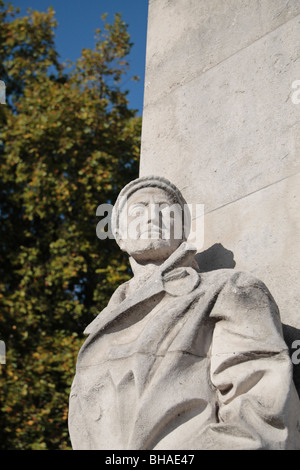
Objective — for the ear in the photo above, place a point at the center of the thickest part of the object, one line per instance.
(121, 244)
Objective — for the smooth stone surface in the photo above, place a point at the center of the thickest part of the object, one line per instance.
(188, 37)
(258, 234)
(232, 130)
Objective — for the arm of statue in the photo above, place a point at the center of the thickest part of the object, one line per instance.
(257, 406)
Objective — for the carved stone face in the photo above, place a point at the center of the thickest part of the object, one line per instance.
(151, 226)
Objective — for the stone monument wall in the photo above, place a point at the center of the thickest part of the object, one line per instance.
(221, 120)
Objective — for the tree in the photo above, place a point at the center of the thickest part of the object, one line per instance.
(68, 142)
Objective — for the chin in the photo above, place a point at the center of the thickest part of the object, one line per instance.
(152, 250)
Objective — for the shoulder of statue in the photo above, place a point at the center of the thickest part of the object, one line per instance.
(235, 281)
(117, 297)
(242, 293)
(243, 282)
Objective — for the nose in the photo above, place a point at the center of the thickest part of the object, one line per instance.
(154, 214)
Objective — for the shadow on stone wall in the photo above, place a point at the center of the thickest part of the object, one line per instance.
(215, 257)
(218, 257)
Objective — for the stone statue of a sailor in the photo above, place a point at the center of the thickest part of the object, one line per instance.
(181, 359)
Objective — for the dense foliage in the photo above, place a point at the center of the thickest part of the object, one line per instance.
(68, 142)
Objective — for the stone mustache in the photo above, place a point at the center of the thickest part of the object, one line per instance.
(181, 359)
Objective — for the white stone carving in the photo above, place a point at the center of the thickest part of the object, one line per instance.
(181, 359)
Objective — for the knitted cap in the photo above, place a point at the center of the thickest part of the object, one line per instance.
(148, 182)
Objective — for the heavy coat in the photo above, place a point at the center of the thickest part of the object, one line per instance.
(189, 361)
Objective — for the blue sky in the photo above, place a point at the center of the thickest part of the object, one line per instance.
(77, 21)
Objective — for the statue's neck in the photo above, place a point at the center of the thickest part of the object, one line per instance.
(183, 256)
(142, 271)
